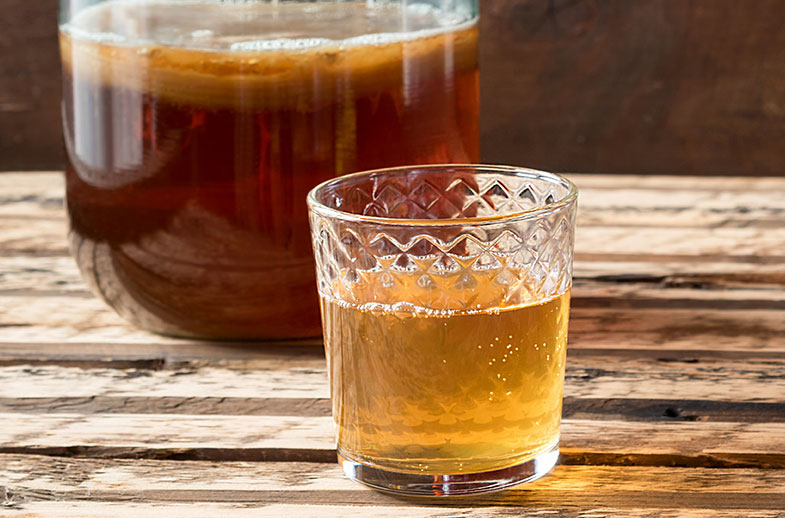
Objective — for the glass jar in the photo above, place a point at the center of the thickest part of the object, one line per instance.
(195, 128)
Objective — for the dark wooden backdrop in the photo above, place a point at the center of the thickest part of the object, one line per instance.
(618, 86)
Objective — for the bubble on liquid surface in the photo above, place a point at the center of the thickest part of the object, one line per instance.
(404, 310)
(280, 44)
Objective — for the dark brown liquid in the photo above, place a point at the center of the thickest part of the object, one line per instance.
(188, 166)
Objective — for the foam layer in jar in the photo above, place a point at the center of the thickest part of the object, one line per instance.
(263, 55)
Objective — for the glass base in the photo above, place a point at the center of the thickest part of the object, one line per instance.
(449, 485)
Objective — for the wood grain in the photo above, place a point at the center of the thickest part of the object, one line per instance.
(190, 355)
(59, 276)
(622, 413)
(58, 318)
(679, 199)
(287, 376)
(44, 276)
(630, 409)
(274, 406)
(287, 438)
(67, 475)
(674, 396)
(635, 285)
(738, 245)
(640, 413)
(308, 489)
(668, 226)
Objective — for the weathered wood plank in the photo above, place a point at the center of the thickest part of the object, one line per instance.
(33, 237)
(701, 291)
(628, 409)
(74, 428)
(696, 244)
(163, 431)
(110, 421)
(88, 484)
(61, 474)
(264, 406)
(207, 437)
(65, 318)
(39, 192)
(244, 356)
(282, 377)
(742, 267)
(22, 183)
(642, 208)
(59, 275)
(39, 276)
(622, 225)
(34, 196)
(600, 250)
(60, 319)
(36, 193)
(679, 183)
(156, 355)
(293, 376)
(677, 329)
(37, 199)
(740, 244)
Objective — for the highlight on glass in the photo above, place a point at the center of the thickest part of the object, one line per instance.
(445, 301)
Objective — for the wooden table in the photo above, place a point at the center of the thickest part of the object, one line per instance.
(674, 402)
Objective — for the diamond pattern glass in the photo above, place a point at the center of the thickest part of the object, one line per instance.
(445, 298)
(446, 225)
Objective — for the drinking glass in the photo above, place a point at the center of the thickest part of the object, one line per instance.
(445, 300)
(195, 128)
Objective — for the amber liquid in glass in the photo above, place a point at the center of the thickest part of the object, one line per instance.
(193, 132)
(435, 392)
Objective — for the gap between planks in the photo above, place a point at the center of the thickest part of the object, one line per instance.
(628, 409)
(244, 356)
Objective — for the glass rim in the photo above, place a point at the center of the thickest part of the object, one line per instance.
(565, 201)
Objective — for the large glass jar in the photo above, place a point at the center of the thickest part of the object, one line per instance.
(195, 128)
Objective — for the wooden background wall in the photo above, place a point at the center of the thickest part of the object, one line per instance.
(617, 86)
